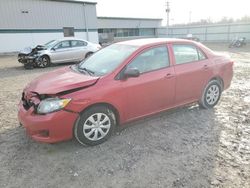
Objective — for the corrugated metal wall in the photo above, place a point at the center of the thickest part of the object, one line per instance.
(110, 22)
(213, 33)
(30, 22)
(42, 14)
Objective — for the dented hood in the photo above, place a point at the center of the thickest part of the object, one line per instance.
(60, 80)
(26, 50)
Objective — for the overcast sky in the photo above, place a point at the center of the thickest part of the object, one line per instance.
(180, 9)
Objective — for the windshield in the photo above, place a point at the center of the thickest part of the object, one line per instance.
(50, 44)
(107, 59)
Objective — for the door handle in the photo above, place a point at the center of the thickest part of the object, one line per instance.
(169, 75)
(205, 67)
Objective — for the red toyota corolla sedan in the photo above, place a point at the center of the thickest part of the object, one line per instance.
(120, 83)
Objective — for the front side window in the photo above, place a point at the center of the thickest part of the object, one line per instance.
(153, 59)
(63, 44)
(185, 53)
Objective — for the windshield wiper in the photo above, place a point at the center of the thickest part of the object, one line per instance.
(90, 72)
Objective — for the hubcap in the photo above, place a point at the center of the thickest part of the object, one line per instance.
(96, 126)
(43, 62)
(213, 94)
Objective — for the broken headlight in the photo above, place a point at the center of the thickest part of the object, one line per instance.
(51, 105)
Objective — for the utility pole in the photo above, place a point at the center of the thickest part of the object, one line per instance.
(190, 16)
(85, 22)
(167, 11)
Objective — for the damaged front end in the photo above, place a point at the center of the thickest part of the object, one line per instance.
(48, 110)
(28, 56)
(31, 100)
(50, 128)
(43, 104)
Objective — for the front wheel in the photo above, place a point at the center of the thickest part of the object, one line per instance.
(95, 126)
(43, 62)
(28, 66)
(211, 94)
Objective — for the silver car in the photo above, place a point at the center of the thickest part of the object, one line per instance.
(57, 51)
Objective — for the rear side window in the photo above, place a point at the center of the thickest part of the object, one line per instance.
(78, 43)
(153, 59)
(187, 53)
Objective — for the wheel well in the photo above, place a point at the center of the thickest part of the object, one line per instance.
(109, 106)
(46, 56)
(88, 54)
(220, 80)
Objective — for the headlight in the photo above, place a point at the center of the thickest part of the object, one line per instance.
(34, 55)
(51, 104)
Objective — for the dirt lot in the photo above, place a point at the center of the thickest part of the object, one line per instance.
(186, 147)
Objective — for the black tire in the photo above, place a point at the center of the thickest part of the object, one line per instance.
(88, 54)
(211, 94)
(43, 62)
(28, 66)
(238, 44)
(81, 127)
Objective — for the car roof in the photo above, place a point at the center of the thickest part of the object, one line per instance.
(152, 41)
(70, 38)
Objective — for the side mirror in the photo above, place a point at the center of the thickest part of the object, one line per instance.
(53, 49)
(131, 72)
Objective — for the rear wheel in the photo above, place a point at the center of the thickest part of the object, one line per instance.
(88, 54)
(211, 94)
(43, 62)
(95, 125)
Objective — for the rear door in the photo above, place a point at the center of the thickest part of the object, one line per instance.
(79, 49)
(154, 89)
(192, 69)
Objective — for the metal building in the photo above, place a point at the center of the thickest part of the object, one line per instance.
(26, 23)
(30, 22)
(121, 28)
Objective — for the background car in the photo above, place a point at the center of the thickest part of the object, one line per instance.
(191, 37)
(57, 51)
(120, 83)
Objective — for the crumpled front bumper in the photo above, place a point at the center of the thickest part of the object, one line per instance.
(26, 59)
(49, 128)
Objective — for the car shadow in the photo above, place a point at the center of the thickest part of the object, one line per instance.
(176, 148)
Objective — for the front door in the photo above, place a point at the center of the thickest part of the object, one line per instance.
(62, 52)
(154, 89)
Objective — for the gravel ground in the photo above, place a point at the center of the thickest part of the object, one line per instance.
(185, 147)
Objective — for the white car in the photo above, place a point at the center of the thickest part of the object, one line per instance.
(57, 51)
